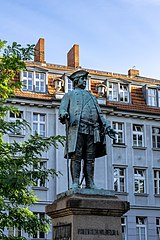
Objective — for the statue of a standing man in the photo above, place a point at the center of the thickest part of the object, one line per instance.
(86, 129)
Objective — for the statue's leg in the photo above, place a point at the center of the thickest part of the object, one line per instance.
(76, 161)
(89, 161)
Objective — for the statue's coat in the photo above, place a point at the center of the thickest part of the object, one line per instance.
(72, 103)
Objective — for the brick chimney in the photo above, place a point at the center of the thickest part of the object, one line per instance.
(133, 72)
(73, 57)
(39, 51)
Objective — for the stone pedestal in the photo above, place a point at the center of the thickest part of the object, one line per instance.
(87, 215)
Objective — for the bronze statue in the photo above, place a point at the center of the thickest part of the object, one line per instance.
(86, 129)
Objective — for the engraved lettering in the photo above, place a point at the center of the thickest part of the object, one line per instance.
(90, 231)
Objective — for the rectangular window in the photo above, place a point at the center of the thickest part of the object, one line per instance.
(40, 235)
(138, 139)
(39, 124)
(119, 128)
(152, 97)
(124, 93)
(118, 92)
(70, 85)
(113, 91)
(156, 137)
(28, 81)
(158, 228)
(119, 179)
(13, 117)
(40, 82)
(41, 165)
(157, 181)
(158, 98)
(34, 81)
(139, 181)
(15, 232)
(124, 228)
(141, 228)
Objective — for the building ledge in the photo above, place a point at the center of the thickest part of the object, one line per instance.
(156, 149)
(157, 195)
(122, 193)
(140, 148)
(16, 135)
(40, 188)
(119, 145)
(141, 194)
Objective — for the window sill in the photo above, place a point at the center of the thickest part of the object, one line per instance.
(118, 101)
(152, 106)
(40, 188)
(140, 148)
(141, 194)
(156, 149)
(16, 135)
(121, 193)
(157, 195)
(39, 238)
(119, 145)
(33, 91)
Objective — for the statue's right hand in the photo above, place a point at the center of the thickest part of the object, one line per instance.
(63, 117)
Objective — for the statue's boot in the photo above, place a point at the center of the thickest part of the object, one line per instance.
(89, 174)
(75, 171)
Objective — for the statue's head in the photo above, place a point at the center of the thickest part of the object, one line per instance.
(79, 78)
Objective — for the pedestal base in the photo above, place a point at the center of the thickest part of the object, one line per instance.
(87, 215)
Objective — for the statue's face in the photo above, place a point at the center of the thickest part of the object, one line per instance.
(82, 82)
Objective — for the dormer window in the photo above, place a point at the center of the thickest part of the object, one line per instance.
(28, 81)
(113, 91)
(124, 93)
(152, 95)
(34, 81)
(118, 91)
(40, 82)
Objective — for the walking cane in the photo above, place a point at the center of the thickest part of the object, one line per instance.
(67, 131)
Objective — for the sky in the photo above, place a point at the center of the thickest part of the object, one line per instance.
(113, 35)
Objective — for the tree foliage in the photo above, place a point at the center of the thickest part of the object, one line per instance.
(18, 160)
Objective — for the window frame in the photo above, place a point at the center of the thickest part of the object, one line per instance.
(36, 82)
(37, 235)
(15, 232)
(154, 97)
(124, 227)
(121, 132)
(140, 227)
(27, 79)
(39, 81)
(119, 179)
(156, 174)
(158, 228)
(138, 134)
(140, 180)
(39, 123)
(14, 118)
(114, 93)
(155, 136)
(41, 183)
